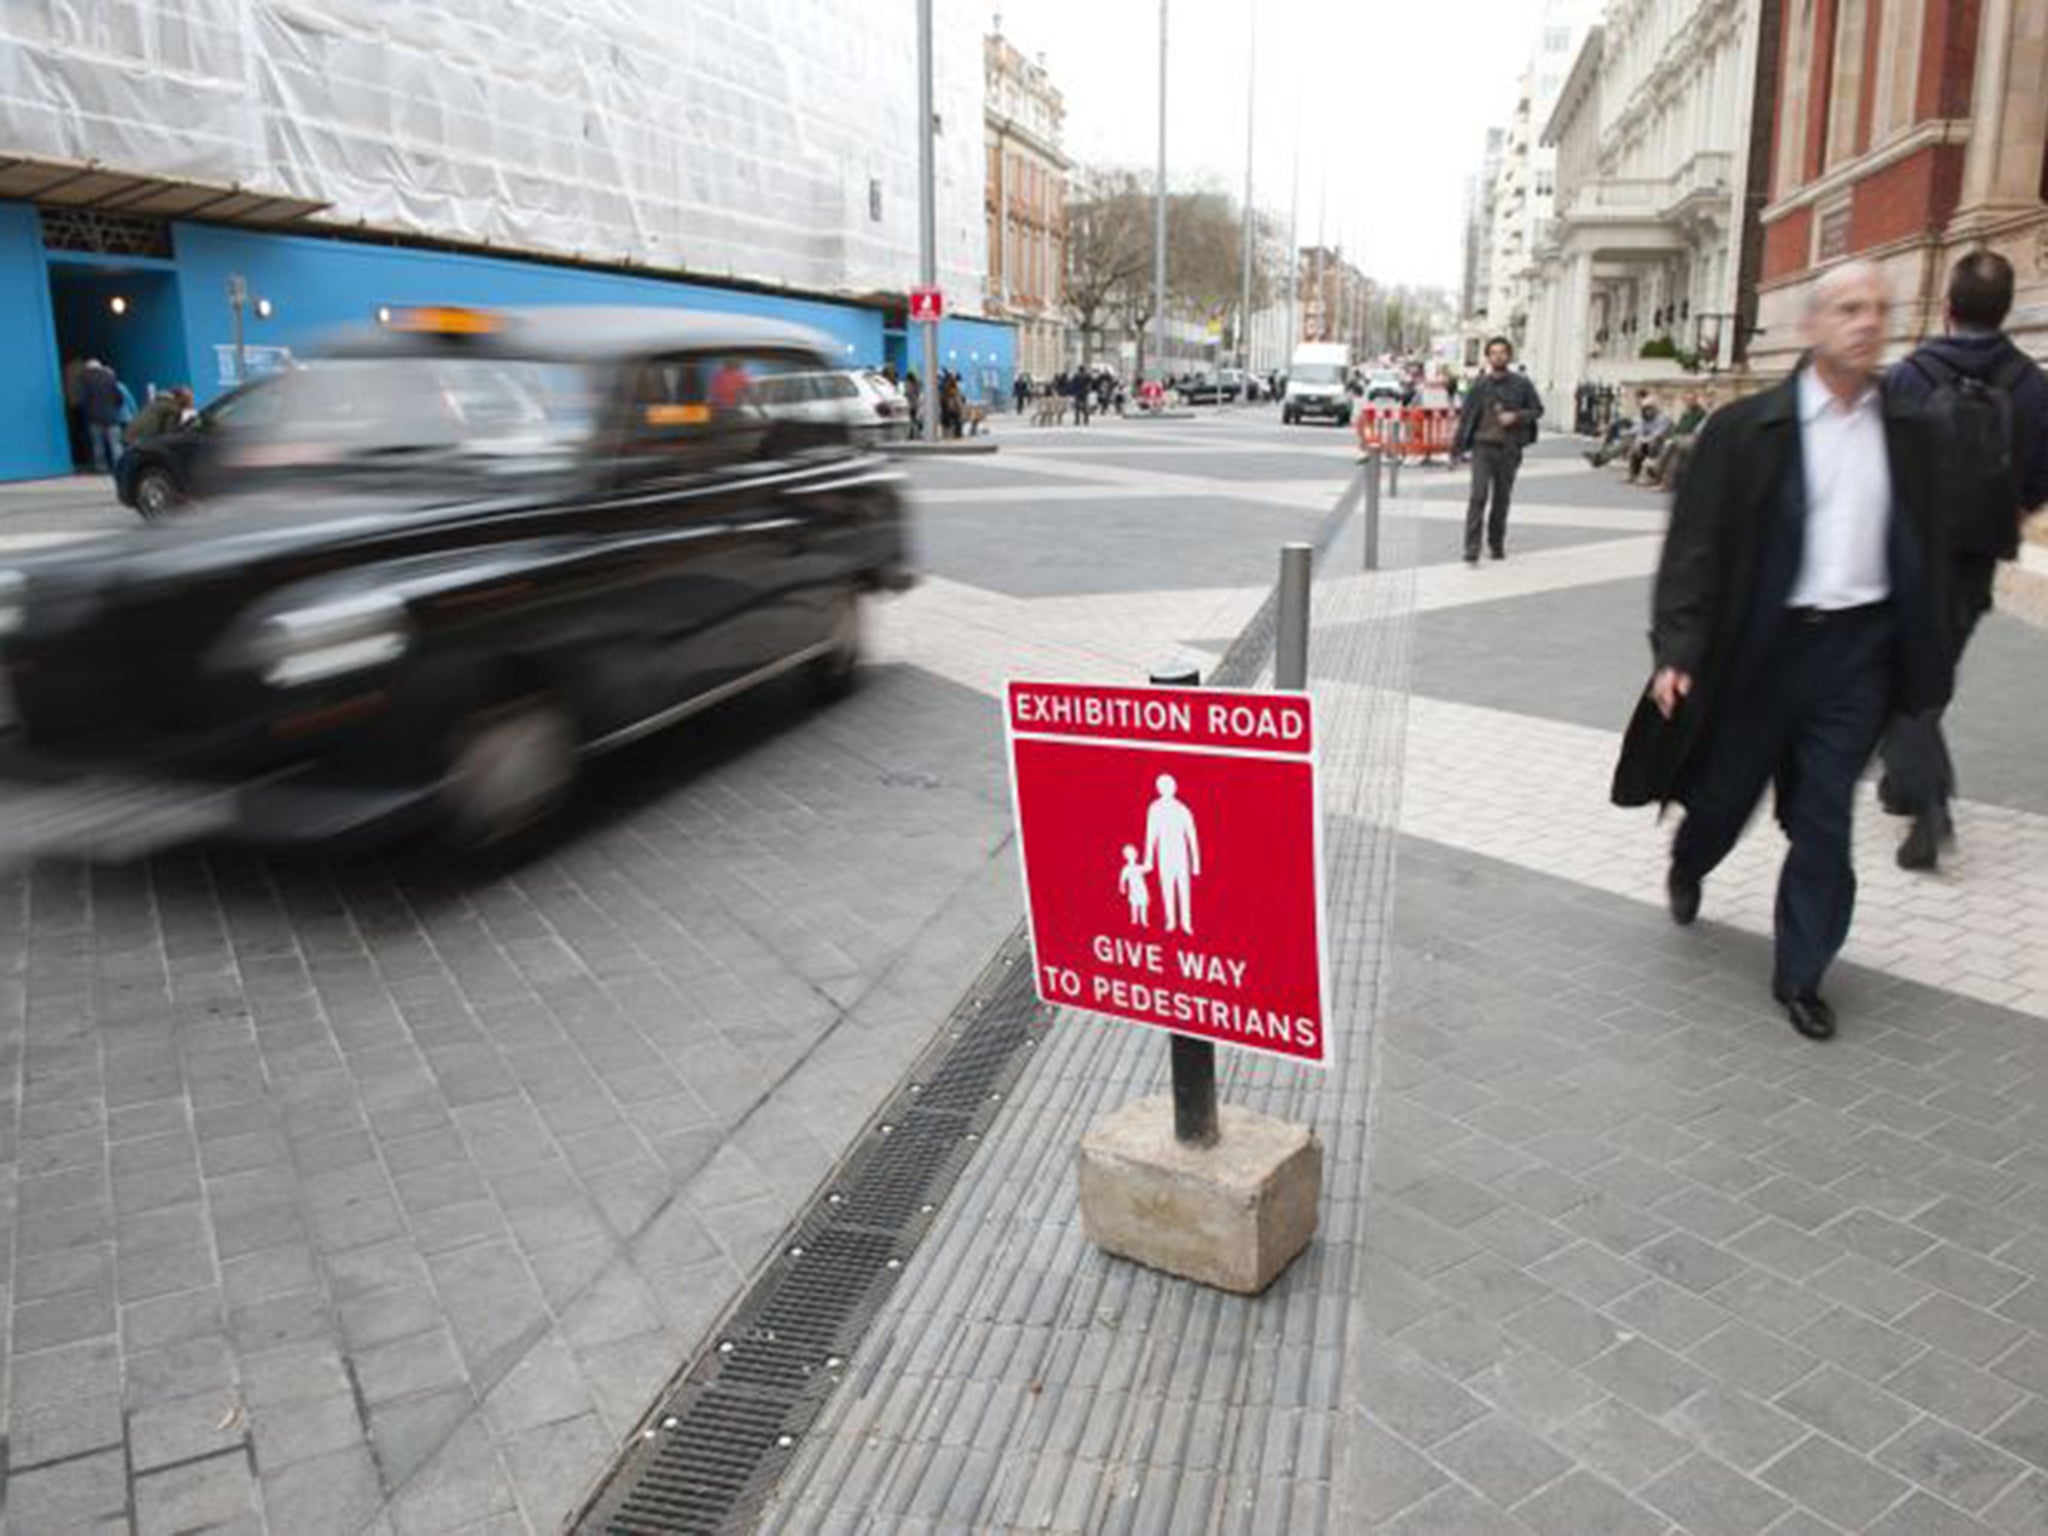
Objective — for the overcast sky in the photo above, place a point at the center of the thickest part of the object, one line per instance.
(1393, 99)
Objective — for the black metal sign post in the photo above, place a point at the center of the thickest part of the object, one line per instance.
(1193, 1060)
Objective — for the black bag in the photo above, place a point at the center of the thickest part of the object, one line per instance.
(1979, 479)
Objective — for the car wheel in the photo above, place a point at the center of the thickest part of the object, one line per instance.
(510, 767)
(835, 673)
(156, 493)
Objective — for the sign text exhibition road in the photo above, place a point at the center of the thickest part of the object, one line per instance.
(1172, 848)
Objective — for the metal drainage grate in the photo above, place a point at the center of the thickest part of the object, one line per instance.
(706, 1459)
(708, 1456)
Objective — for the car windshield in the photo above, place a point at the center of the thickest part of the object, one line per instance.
(483, 414)
(1319, 373)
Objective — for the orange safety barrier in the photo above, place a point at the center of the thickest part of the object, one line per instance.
(1417, 432)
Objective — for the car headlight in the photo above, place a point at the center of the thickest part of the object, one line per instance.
(325, 640)
(13, 601)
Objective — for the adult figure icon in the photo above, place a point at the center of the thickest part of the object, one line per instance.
(1174, 853)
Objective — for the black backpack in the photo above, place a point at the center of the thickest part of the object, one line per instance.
(1979, 479)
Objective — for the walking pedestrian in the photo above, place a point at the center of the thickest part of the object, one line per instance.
(100, 405)
(1989, 402)
(1797, 603)
(913, 394)
(1082, 392)
(1021, 391)
(1497, 423)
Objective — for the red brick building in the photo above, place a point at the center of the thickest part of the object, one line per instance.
(1905, 132)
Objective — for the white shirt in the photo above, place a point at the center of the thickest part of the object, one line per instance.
(1846, 561)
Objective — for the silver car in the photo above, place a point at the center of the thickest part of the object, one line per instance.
(863, 401)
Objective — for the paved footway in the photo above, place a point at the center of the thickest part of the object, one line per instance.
(1630, 1255)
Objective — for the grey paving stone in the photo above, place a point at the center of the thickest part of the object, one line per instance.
(1751, 1359)
(1833, 1483)
(2024, 1432)
(1709, 1498)
(553, 1467)
(1687, 1261)
(1570, 1331)
(1579, 1503)
(416, 1363)
(1452, 1511)
(287, 1433)
(1860, 1346)
(86, 1493)
(1945, 1461)
(2022, 1508)
(1837, 1404)
(215, 1494)
(1960, 1329)
(1674, 1318)
(1618, 1443)
(184, 1429)
(1920, 1515)
(337, 1492)
(1502, 1460)
(1646, 1376)
(1415, 1401)
(1964, 1395)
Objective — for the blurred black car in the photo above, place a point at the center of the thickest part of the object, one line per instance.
(463, 554)
(160, 474)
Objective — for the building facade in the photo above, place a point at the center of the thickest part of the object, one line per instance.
(1524, 185)
(1640, 272)
(1907, 133)
(1026, 203)
(332, 164)
(1336, 298)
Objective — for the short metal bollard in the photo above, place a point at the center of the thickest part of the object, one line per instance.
(1394, 464)
(1372, 513)
(1290, 643)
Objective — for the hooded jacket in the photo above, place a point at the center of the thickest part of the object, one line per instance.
(1980, 355)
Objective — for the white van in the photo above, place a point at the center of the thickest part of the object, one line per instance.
(1317, 383)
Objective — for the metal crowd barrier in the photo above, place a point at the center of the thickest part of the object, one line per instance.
(1417, 432)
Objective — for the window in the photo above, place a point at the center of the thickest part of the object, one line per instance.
(1556, 39)
(700, 410)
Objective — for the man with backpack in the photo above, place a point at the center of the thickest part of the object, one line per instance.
(1989, 402)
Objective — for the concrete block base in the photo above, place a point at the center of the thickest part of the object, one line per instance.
(1232, 1215)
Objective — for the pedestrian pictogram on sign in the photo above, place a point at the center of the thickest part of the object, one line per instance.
(1171, 840)
(927, 304)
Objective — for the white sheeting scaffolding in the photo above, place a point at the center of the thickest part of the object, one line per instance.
(741, 137)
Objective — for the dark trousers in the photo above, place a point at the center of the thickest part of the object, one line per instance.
(1493, 474)
(1806, 718)
(1919, 775)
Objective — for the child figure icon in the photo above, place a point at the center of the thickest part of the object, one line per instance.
(1132, 883)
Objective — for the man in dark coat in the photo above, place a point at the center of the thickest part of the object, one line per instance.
(1798, 601)
(1497, 423)
(1983, 521)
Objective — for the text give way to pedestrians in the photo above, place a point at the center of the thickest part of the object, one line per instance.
(1171, 844)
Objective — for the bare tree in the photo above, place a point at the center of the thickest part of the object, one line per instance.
(1109, 248)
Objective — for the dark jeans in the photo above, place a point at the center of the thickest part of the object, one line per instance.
(1493, 473)
(1919, 774)
(1807, 718)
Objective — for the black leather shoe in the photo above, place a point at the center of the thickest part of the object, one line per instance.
(1684, 894)
(1499, 553)
(1471, 557)
(1810, 1014)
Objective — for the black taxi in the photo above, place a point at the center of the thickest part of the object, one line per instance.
(463, 552)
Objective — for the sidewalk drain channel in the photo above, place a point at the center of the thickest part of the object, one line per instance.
(705, 1460)
(707, 1457)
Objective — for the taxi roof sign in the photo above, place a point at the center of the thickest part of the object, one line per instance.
(445, 320)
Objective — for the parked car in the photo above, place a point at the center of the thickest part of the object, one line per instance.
(865, 402)
(1209, 388)
(159, 474)
(1385, 387)
(465, 553)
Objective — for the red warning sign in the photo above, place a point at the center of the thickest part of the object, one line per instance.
(927, 304)
(1171, 840)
